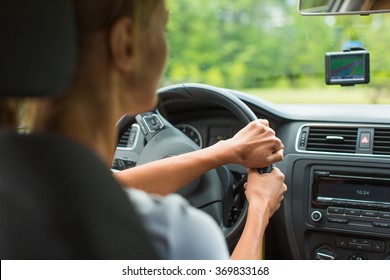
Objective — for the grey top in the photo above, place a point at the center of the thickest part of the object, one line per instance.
(180, 231)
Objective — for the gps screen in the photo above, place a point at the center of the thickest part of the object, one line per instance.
(347, 68)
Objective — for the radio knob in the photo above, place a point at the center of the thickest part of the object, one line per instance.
(316, 216)
(324, 252)
(386, 257)
(358, 257)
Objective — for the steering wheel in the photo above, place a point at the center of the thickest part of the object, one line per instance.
(215, 192)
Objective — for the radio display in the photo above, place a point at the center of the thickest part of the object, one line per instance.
(352, 189)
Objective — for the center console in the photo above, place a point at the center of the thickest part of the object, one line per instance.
(346, 210)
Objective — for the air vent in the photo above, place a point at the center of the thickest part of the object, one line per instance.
(382, 141)
(332, 139)
(124, 138)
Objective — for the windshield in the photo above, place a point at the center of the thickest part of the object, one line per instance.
(266, 48)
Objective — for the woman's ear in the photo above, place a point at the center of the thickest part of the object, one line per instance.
(121, 40)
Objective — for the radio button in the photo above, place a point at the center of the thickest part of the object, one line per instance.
(358, 257)
(324, 201)
(383, 206)
(316, 216)
(370, 213)
(322, 173)
(369, 205)
(378, 246)
(366, 241)
(342, 242)
(338, 220)
(339, 203)
(323, 204)
(384, 215)
(359, 246)
(335, 210)
(354, 204)
(352, 212)
(380, 224)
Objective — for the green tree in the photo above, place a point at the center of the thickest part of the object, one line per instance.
(252, 44)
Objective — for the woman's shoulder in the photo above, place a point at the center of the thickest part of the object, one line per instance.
(147, 203)
(182, 231)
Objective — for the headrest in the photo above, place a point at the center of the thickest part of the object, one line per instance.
(38, 47)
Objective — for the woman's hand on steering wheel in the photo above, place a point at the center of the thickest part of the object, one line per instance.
(255, 146)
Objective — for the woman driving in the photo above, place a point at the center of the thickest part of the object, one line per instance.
(122, 53)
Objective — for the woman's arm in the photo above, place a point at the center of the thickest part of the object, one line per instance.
(254, 146)
(264, 193)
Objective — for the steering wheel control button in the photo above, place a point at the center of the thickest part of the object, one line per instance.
(122, 164)
(144, 130)
(153, 123)
(316, 216)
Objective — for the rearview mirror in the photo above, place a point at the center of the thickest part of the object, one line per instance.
(343, 7)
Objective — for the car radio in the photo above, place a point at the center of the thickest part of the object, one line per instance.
(350, 201)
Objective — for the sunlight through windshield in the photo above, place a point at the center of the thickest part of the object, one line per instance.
(266, 48)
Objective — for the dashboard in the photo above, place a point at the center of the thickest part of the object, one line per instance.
(337, 169)
(208, 131)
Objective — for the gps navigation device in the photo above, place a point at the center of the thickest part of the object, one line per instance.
(347, 68)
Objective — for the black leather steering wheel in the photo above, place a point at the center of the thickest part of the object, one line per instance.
(164, 140)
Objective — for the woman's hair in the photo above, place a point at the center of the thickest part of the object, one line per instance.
(93, 15)
(375, 5)
(10, 110)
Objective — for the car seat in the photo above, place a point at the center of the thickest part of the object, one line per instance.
(57, 199)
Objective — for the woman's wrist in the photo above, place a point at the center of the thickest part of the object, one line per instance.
(225, 152)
